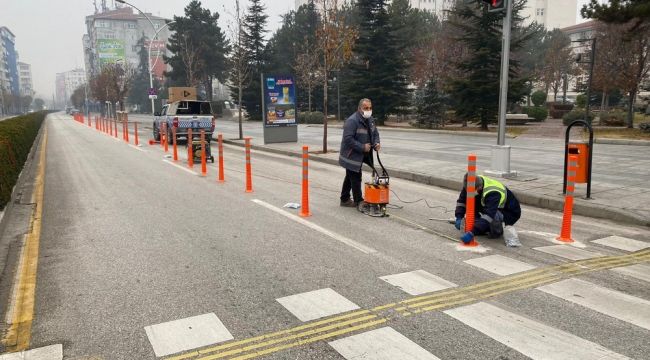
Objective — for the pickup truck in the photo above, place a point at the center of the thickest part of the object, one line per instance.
(183, 115)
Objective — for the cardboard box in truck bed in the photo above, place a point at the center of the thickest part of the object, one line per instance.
(181, 93)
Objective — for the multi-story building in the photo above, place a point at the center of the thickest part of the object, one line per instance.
(112, 37)
(9, 78)
(25, 76)
(553, 14)
(66, 83)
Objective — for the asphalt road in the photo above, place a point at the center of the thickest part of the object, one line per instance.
(130, 240)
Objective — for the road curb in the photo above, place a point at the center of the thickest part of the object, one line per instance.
(429, 131)
(580, 207)
(622, 142)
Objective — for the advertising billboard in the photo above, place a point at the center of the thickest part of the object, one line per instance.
(279, 101)
(110, 51)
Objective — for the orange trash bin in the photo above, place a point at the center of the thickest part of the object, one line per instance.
(581, 150)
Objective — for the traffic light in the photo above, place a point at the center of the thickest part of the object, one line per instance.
(496, 5)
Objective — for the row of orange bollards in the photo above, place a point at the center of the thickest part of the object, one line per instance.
(109, 126)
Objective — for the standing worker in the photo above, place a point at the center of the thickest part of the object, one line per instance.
(360, 137)
(495, 205)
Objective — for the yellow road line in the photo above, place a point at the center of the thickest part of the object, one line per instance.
(269, 336)
(18, 336)
(306, 341)
(441, 300)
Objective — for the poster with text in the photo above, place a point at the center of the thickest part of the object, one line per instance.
(279, 101)
(110, 51)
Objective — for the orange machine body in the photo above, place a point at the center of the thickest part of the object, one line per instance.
(376, 194)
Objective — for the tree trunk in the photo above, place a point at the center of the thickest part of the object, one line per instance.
(325, 109)
(602, 107)
(241, 132)
(630, 108)
(309, 96)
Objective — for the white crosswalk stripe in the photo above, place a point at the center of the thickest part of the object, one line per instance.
(418, 282)
(568, 252)
(529, 337)
(609, 302)
(500, 265)
(622, 243)
(317, 304)
(381, 344)
(638, 271)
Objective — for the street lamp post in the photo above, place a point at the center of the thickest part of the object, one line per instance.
(151, 66)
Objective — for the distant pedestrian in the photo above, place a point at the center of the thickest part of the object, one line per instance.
(360, 137)
(495, 205)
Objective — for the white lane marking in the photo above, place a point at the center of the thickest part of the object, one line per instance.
(380, 344)
(333, 235)
(622, 243)
(480, 249)
(529, 337)
(500, 265)
(567, 252)
(52, 352)
(185, 334)
(552, 238)
(317, 304)
(180, 167)
(609, 302)
(418, 282)
(638, 271)
(137, 148)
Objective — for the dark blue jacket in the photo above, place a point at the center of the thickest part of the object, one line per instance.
(483, 214)
(357, 131)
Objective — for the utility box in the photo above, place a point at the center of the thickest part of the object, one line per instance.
(581, 150)
(182, 93)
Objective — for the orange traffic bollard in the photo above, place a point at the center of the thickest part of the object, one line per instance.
(304, 208)
(174, 143)
(135, 133)
(116, 128)
(126, 123)
(164, 139)
(110, 126)
(565, 232)
(249, 175)
(190, 153)
(90, 121)
(204, 166)
(221, 174)
(471, 194)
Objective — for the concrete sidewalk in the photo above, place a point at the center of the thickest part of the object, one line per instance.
(612, 199)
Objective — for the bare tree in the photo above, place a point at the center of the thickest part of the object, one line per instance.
(336, 37)
(307, 68)
(626, 56)
(191, 62)
(113, 83)
(240, 76)
(558, 62)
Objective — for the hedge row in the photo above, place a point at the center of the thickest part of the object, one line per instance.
(16, 138)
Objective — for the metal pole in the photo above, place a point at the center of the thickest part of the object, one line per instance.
(591, 75)
(505, 64)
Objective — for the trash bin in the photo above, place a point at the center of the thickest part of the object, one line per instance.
(581, 150)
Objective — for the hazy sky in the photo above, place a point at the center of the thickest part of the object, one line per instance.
(48, 32)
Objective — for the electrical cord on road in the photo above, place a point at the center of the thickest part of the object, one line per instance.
(416, 201)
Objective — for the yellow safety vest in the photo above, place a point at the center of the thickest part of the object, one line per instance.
(491, 185)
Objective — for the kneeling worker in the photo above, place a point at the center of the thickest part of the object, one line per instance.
(495, 205)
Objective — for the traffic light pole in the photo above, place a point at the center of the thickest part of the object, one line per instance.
(501, 151)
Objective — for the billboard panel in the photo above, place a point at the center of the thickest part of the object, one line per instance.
(279, 101)
(110, 51)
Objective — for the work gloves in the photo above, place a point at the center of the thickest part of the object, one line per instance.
(467, 237)
(458, 223)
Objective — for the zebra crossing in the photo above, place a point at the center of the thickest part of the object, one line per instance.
(356, 333)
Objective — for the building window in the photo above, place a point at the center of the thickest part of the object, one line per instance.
(540, 12)
(131, 26)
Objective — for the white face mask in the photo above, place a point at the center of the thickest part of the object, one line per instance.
(367, 114)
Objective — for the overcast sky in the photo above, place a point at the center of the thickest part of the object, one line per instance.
(48, 32)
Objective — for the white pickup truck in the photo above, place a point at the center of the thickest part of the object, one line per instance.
(183, 115)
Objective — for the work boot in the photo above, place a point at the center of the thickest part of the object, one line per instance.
(348, 203)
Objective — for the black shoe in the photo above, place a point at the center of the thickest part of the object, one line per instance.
(348, 203)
